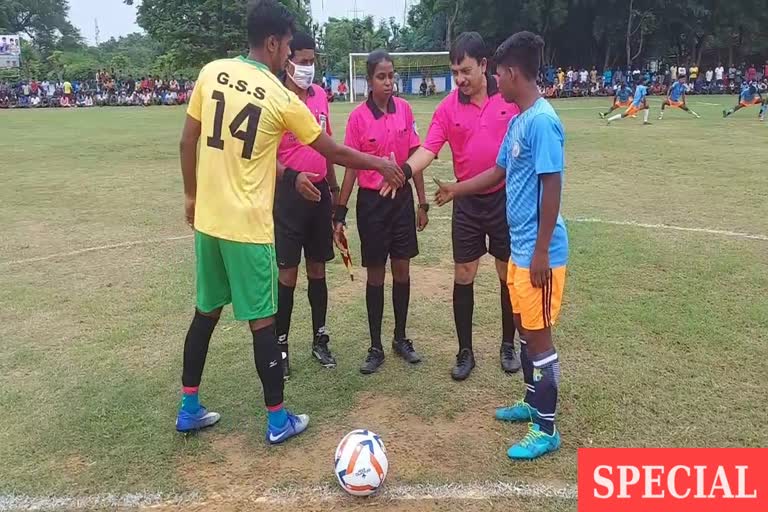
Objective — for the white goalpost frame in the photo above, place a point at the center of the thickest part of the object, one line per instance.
(351, 78)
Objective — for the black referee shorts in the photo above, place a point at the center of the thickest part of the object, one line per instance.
(479, 226)
(302, 224)
(387, 227)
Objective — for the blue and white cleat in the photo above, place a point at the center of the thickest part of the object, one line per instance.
(295, 425)
(519, 411)
(535, 444)
(190, 422)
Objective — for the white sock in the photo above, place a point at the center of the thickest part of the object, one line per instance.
(694, 114)
(614, 118)
(646, 113)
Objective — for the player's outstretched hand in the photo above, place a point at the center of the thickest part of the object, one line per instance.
(338, 233)
(445, 192)
(189, 211)
(387, 191)
(392, 173)
(306, 188)
(422, 219)
(540, 271)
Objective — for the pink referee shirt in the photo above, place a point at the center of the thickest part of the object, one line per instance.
(474, 133)
(292, 153)
(378, 133)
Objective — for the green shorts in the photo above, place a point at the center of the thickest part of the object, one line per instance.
(239, 273)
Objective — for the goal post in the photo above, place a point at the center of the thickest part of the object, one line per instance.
(411, 68)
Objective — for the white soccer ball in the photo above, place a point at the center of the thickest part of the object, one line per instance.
(361, 463)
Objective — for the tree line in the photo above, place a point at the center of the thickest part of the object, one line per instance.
(182, 35)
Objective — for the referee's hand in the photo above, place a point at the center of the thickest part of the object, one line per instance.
(391, 172)
(445, 192)
(306, 188)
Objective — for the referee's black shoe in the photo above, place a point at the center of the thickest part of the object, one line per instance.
(465, 362)
(321, 351)
(404, 348)
(373, 361)
(510, 360)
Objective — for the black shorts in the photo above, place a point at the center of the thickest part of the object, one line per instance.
(302, 224)
(475, 219)
(387, 227)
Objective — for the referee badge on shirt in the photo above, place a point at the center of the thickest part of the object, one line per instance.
(323, 121)
(516, 149)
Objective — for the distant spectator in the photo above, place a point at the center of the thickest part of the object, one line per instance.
(593, 76)
(682, 71)
(752, 73)
(693, 73)
(709, 75)
(432, 89)
(342, 89)
(423, 87)
(583, 76)
(607, 77)
(67, 87)
(3, 45)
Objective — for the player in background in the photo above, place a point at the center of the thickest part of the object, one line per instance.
(531, 163)
(676, 99)
(749, 95)
(622, 99)
(383, 125)
(241, 110)
(302, 224)
(639, 102)
(473, 120)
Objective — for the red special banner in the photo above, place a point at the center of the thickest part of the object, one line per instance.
(673, 480)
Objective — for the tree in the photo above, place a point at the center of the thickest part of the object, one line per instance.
(197, 31)
(45, 22)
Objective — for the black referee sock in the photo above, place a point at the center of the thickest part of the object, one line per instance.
(507, 315)
(463, 309)
(317, 291)
(267, 357)
(196, 348)
(374, 302)
(284, 313)
(401, 298)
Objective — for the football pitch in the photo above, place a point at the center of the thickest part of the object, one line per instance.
(662, 339)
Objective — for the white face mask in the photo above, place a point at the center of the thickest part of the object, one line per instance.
(302, 75)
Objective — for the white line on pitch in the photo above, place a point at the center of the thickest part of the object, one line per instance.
(721, 232)
(295, 495)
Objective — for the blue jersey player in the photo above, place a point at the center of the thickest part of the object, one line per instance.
(639, 103)
(676, 99)
(531, 163)
(622, 99)
(749, 95)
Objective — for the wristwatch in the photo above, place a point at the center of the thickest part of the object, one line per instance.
(424, 207)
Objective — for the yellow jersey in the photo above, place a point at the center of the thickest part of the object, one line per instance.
(67, 88)
(244, 110)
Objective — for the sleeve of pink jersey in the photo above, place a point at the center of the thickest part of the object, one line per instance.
(437, 135)
(352, 137)
(414, 140)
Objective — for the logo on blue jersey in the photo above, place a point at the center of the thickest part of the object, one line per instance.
(516, 149)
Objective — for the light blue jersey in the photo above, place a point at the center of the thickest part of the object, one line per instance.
(748, 92)
(677, 91)
(623, 94)
(641, 92)
(532, 146)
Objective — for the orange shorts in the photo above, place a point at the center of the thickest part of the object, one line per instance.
(755, 101)
(538, 307)
(621, 104)
(632, 110)
(676, 104)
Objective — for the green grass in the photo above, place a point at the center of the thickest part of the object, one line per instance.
(662, 334)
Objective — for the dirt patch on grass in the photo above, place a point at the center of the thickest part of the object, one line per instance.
(418, 450)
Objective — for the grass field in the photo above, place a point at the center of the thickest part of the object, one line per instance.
(661, 339)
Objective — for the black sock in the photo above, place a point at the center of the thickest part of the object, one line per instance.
(507, 316)
(267, 357)
(374, 301)
(401, 298)
(463, 309)
(317, 291)
(284, 313)
(196, 348)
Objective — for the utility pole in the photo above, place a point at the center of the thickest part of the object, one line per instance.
(97, 33)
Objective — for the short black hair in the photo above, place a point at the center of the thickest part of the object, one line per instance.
(374, 58)
(301, 41)
(268, 18)
(468, 44)
(521, 50)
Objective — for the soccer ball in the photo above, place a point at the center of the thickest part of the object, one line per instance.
(361, 463)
